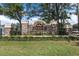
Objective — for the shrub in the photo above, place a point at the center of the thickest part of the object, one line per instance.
(31, 38)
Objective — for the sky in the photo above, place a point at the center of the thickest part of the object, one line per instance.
(5, 20)
(73, 20)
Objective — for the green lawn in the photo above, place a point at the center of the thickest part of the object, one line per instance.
(38, 48)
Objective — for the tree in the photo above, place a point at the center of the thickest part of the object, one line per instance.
(15, 29)
(47, 12)
(57, 12)
(32, 9)
(77, 10)
(13, 10)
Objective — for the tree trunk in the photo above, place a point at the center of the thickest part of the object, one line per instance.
(19, 19)
(78, 20)
(78, 15)
(20, 27)
(57, 18)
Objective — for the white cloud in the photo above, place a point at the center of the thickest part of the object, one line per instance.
(73, 20)
(33, 19)
(5, 20)
(13, 21)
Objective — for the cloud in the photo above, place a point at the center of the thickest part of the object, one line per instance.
(5, 20)
(33, 19)
(73, 20)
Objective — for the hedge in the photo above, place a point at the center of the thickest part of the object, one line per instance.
(31, 38)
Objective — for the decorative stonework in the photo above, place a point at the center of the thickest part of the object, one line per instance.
(42, 27)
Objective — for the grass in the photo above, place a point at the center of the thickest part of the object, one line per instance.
(38, 48)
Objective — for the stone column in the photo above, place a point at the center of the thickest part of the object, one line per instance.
(24, 27)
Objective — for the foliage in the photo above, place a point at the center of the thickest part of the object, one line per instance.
(13, 10)
(56, 11)
(15, 29)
